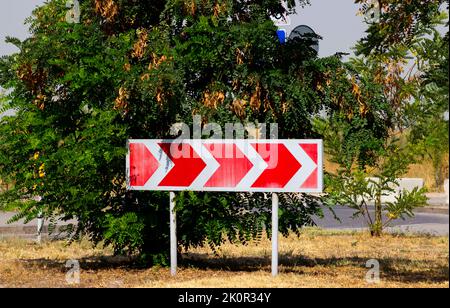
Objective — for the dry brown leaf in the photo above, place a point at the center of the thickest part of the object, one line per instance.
(40, 101)
(255, 101)
(157, 61)
(238, 107)
(127, 67)
(121, 102)
(141, 44)
(239, 56)
(214, 99)
(145, 77)
(107, 9)
(190, 7)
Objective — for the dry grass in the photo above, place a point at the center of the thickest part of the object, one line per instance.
(316, 259)
(425, 171)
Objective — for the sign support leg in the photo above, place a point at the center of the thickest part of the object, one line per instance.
(274, 234)
(173, 236)
(40, 224)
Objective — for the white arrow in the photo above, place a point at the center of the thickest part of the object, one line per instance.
(308, 166)
(211, 164)
(165, 164)
(259, 165)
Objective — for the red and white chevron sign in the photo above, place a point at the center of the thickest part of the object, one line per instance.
(225, 165)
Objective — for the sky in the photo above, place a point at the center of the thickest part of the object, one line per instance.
(335, 20)
(12, 16)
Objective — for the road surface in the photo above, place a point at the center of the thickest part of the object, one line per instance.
(426, 223)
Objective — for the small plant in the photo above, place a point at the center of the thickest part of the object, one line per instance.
(359, 191)
(364, 187)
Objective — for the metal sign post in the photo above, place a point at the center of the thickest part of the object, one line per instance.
(173, 236)
(274, 234)
(40, 221)
(40, 225)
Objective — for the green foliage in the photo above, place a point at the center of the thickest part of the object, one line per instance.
(131, 69)
(239, 218)
(383, 87)
(430, 130)
(361, 191)
(399, 23)
(361, 181)
(124, 233)
(405, 203)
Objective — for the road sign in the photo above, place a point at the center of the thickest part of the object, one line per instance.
(305, 33)
(282, 20)
(281, 33)
(225, 165)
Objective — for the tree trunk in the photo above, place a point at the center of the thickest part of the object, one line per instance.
(377, 227)
(438, 168)
(437, 176)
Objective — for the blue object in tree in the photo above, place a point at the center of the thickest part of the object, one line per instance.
(281, 35)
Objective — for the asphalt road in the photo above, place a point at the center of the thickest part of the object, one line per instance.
(427, 223)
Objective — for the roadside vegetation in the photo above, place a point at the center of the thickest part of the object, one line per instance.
(81, 87)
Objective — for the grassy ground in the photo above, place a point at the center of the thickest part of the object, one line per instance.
(316, 259)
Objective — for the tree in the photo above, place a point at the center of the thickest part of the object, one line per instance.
(359, 187)
(364, 143)
(412, 24)
(130, 69)
(397, 23)
(430, 131)
(382, 57)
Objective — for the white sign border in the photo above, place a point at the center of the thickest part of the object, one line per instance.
(240, 143)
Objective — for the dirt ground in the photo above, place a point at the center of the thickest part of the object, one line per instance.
(316, 259)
